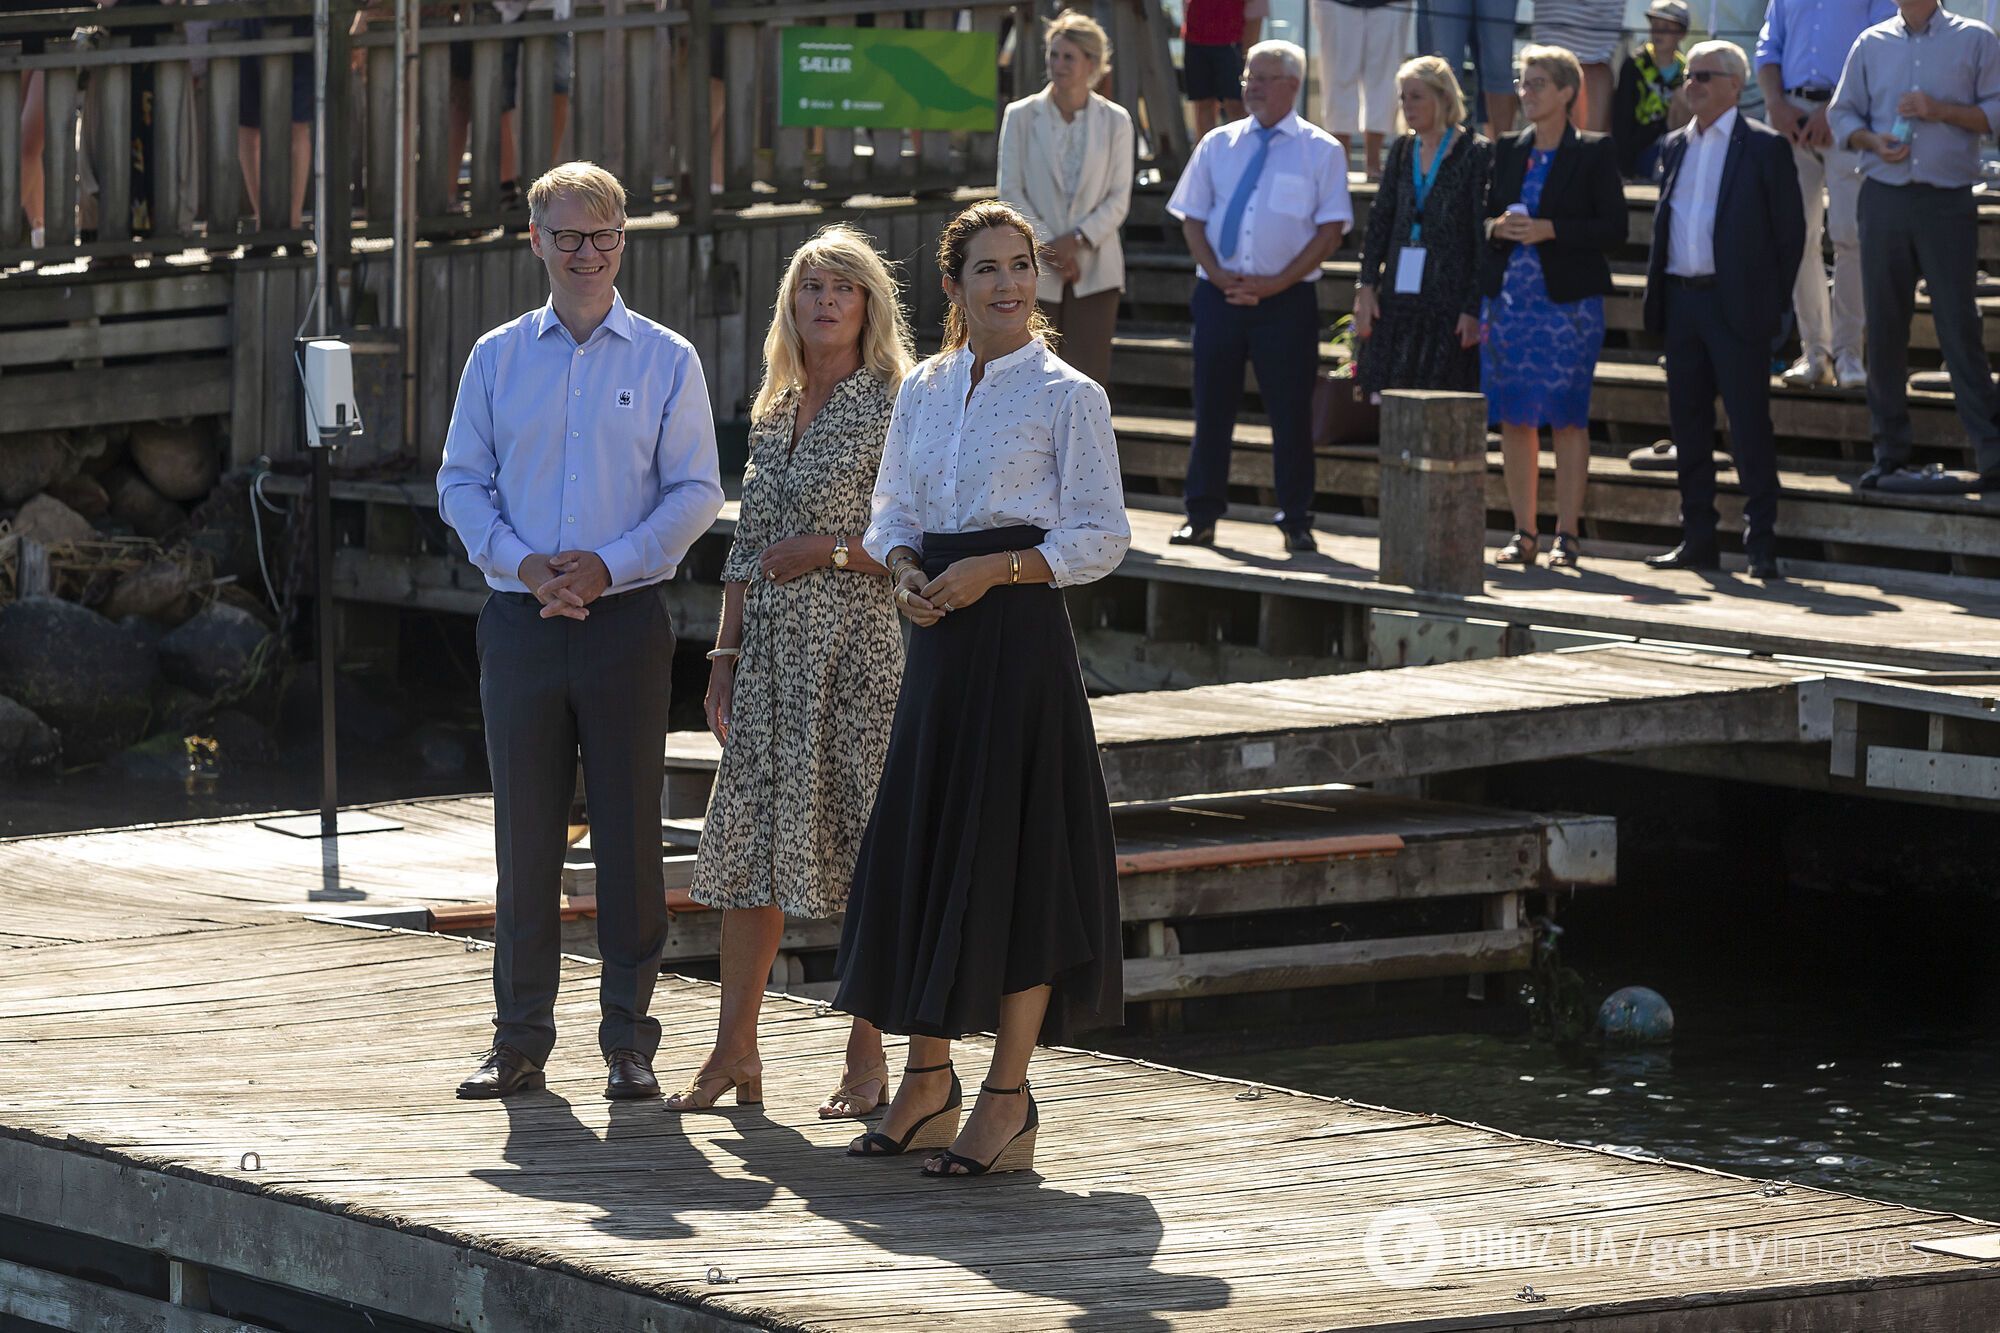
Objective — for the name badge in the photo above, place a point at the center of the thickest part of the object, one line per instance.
(1410, 270)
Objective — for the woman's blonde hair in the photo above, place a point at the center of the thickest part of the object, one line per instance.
(1435, 74)
(586, 182)
(1558, 62)
(885, 335)
(1085, 33)
(956, 239)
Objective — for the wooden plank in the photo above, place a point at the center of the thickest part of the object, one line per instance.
(52, 1300)
(13, 224)
(484, 143)
(43, 301)
(437, 171)
(384, 161)
(536, 121)
(437, 377)
(156, 337)
(586, 106)
(1898, 768)
(59, 100)
(173, 138)
(247, 365)
(1303, 966)
(68, 399)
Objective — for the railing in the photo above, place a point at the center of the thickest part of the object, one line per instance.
(144, 112)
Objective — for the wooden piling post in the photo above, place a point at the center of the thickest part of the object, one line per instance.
(1433, 505)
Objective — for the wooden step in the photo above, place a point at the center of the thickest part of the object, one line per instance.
(1812, 506)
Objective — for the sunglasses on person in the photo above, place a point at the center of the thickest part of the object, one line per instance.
(569, 242)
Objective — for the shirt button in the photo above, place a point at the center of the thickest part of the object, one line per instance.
(579, 393)
(576, 434)
(570, 519)
(572, 476)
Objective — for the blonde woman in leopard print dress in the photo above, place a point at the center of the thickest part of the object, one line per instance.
(810, 652)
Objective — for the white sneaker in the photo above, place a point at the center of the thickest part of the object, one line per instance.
(1810, 371)
(1848, 372)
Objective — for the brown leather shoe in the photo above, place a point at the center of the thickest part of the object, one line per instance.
(630, 1077)
(504, 1072)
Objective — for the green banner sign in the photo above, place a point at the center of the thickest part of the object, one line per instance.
(888, 77)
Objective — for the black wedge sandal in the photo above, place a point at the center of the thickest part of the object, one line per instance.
(1565, 552)
(933, 1131)
(1017, 1154)
(1519, 550)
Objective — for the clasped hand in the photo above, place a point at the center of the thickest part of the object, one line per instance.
(566, 583)
(927, 601)
(1521, 228)
(1245, 288)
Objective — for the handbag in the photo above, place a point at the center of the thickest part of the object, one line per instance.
(1341, 412)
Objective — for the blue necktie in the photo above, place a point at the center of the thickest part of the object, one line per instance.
(1232, 217)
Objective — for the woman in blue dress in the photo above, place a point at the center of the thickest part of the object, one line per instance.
(1555, 210)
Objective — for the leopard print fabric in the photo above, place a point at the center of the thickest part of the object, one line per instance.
(822, 663)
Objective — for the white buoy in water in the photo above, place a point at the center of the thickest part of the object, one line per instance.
(1635, 1016)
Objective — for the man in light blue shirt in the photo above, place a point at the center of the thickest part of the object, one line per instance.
(579, 467)
(1800, 53)
(1919, 92)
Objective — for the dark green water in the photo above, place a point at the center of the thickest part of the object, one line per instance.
(1836, 1039)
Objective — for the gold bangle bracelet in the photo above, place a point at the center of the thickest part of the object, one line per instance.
(1014, 566)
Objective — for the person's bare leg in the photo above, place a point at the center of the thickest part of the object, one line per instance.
(34, 119)
(250, 153)
(917, 1095)
(750, 938)
(1520, 452)
(1594, 104)
(1372, 149)
(864, 1053)
(998, 1117)
(1572, 445)
(1501, 109)
(302, 166)
(510, 157)
(558, 126)
(717, 101)
(461, 131)
(1204, 117)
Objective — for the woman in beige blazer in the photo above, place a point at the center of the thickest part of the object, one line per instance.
(1066, 163)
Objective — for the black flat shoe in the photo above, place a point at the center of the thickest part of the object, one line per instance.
(1872, 478)
(1193, 534)
(1764, 567)
(504, 1072)
(1017, 1154)
(935, 1130)
(1299, 541)
(1685, 556)
(630, 1077)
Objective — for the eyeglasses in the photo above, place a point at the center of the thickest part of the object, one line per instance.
(569, 242)
(1704, 75)
(1260, 80)
(1536, 85)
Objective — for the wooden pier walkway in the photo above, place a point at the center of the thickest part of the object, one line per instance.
(274, 1101)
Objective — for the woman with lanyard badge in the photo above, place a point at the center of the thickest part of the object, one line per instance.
(1417, 303)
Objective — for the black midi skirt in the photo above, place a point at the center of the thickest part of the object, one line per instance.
(988, 865)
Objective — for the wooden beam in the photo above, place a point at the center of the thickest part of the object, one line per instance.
(1296, 967)
(1970, 776)
(51, 1300)
(66, 399)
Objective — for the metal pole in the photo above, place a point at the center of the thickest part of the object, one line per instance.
(329, 792)
(329, 781)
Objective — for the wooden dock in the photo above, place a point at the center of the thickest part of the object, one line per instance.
(273, 1101)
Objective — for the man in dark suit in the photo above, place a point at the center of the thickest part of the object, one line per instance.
(1728, 235)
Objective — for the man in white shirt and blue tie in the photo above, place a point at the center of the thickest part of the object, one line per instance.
(1262, 203)
(1728, 234)
(579, 467)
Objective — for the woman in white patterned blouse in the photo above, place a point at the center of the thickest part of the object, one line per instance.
(986, 895)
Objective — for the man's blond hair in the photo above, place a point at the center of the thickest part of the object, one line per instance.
(586, 182)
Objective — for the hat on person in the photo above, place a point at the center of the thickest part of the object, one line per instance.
(1672, 11)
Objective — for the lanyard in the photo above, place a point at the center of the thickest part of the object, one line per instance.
(1420, 182)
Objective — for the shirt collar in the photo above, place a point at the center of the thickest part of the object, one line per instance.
(1285, 128)
(962, 359)
(1724, 126)
(1930, 24)
(618, 321)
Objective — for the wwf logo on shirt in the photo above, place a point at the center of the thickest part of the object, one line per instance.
(624, 398)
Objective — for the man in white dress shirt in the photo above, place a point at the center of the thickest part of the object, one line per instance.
(1262, 203)
(1728, 234)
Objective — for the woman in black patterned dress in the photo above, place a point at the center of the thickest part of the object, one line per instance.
(809, 652)
(1426, 338)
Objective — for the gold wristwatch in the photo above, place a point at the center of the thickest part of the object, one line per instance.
(840, 553)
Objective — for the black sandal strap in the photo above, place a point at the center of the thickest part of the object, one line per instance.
(947, 1158)
(880, 1145)
(988, 1087)
(927, 1069)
